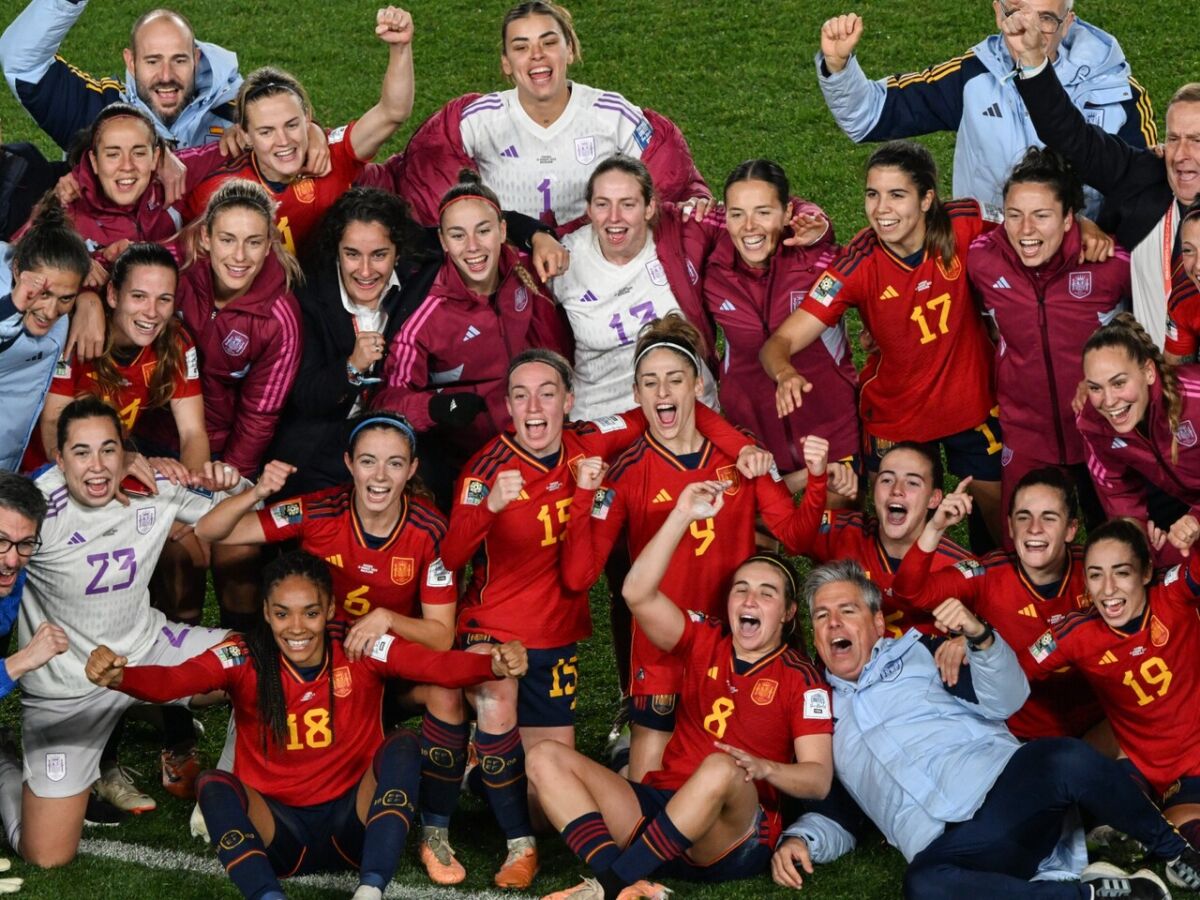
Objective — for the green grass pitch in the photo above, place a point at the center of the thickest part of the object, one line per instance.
(739, 80)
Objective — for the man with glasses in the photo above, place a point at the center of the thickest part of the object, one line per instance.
(974, 94)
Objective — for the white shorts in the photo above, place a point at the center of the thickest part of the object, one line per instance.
(62, 737)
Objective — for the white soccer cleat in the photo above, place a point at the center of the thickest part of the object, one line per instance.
(366, 892)
(117, 787)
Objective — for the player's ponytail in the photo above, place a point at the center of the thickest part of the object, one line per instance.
(915, 161)
(51, 241)
(1126, 333)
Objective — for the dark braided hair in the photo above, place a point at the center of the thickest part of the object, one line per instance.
(264, 651)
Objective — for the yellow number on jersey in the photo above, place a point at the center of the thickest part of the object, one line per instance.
(129, 413)
(1154, 672)
(939, 304)
(561, 508)
(316, 730)
(704, 532)
(715, 722)
(890, 623)
(356, 602)
(285, 234)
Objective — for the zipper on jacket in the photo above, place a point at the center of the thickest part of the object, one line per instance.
(1044, 326)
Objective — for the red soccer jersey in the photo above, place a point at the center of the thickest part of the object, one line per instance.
(517, 589)
(760, 708)
(403, 573)
(1147, 682)
(333, 722)
(1183, 316)
(642, 488)
(932, 374)
(827, 535)
(301, 204)
(996, 588)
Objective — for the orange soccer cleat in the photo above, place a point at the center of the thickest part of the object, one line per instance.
(520, 866)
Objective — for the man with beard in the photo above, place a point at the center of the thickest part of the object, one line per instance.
(187, 87)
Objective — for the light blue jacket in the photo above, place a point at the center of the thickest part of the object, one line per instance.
(975, 95)
(26, 367)
(63, 100)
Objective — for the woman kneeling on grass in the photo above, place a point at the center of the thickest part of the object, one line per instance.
(754, 722)
(316, 784)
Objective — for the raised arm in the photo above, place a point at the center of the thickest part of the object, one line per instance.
(233, 520)
(656, 613)
(159, 684)
(394, 27)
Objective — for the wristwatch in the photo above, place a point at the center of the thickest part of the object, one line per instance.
(988, 633)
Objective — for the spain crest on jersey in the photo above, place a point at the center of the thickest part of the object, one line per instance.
(342, 682)
(764, 691)
(1079, 284)
(402, 569)
(304, 190)
(1186, 434)
(730, 474)
(1159, 635)
(585, 150)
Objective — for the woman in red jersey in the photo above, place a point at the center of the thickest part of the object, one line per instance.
(1183, 307)
(316, 785)
(1139, 427)
(1044, 302)
(274, 118)
(383, 541)
(639, 491)
(755, 722)
(929, 378)
(149, 361)
(1137, 647)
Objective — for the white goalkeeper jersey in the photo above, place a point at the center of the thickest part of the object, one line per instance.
(607, 304)
(91, 577)
(537, 170)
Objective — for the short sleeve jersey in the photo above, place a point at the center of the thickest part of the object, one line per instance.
(1147, 681)
(931, 376)
(606, 304)
(400, 574)
(543, 171)
(300, 204)
(760, 708)
(333, 722)
(92, 576)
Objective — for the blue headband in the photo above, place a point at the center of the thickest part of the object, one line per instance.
(399, 424)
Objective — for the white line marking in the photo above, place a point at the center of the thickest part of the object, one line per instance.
(173, 861)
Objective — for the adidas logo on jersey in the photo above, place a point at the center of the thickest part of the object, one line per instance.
(1118, 444)
(1002, 284)
(588, 297)
(1108, 658)
(712, 672)
(76, 538)
(662, 496)
(510, 152)
(994, 112)
(1029, 610)
(335, 560)
(726, 306)
(889, 293)
(472, 333)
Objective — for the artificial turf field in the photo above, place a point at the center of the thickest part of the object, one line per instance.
(740, 82)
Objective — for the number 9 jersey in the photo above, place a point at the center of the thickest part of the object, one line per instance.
(932, 374)
(1146, 681)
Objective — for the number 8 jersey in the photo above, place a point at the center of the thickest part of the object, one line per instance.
(932, 374)
(1146, 680)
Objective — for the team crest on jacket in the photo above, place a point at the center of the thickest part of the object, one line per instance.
(235, 343)
(1079, 284)
(585, 150)
(402, 569)
(730, 474)
(763, 691)
(521, 299)
(341, 681)
(304, 190)
(1186, 434)
(657, 273)
(145, 519)
(1159, 635)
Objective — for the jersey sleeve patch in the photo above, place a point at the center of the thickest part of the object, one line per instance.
(644, 133)
(607, 424)
(969, 568)
(1171, 576)
(437, 575)
(336, 136)
(825, 289)
(230, 655)
(1043, 647)
(62, 368)
(381, 647)
(192, 364)
(602, 503)
(286, 514)
(474, 492)
(816, 704)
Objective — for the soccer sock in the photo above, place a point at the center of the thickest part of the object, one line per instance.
(443, 760)
(502, 762)
(397, 767)
(659, 843)
(239, 848)
(590, 840)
